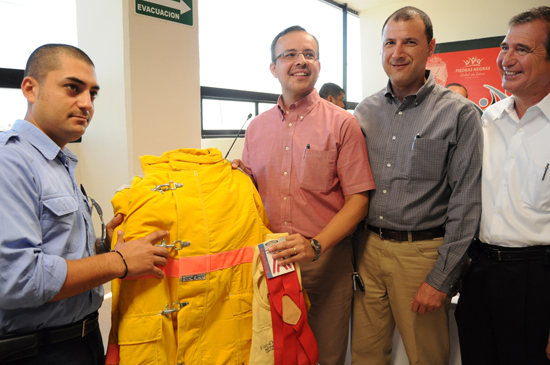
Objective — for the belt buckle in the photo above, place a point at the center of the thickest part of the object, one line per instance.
(498, 254)
(380, 233)
(84, 326)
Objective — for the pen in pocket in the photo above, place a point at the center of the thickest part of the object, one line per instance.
(414, 140)
(305, 149)
(545, 170)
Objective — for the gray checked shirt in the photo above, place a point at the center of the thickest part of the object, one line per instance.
(426, 156)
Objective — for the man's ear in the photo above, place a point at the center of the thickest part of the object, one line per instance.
(273, 70)
(331, 99)
(29, 86)
(431, 47)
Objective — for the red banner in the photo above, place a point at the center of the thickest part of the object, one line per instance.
(475, 69)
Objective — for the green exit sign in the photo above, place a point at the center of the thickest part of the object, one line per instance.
(177, 11)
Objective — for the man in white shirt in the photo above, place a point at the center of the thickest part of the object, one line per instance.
(503, 314)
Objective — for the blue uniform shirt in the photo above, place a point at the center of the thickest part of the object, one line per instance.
(44, 220)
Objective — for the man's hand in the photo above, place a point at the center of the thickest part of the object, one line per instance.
(238, 164)
(141, 256)
(427, 299)
(304, 252)
(113, 223)
(548, 348)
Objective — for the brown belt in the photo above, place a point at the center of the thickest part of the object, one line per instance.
(400, 236)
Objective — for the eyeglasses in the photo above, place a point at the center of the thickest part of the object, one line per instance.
(293, 55)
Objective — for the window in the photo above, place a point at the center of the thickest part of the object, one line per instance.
(30, 24)
(235, 39)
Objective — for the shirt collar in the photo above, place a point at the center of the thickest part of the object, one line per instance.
(508, 107)
(48, 148)
(422, 93)
(303, 106)
(544, 106)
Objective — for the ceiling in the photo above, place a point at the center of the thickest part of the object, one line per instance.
(360, 5)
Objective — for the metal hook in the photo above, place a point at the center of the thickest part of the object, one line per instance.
(170, 185)
(175, 244)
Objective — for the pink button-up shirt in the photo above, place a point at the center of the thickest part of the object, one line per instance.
(305, 161)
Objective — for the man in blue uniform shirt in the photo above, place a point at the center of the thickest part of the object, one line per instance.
(50, 277)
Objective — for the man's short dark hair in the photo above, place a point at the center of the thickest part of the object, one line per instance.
(458, 85)
(408, 13)
(330, 89)
(45, 59)
(294, 28)
(538, 13)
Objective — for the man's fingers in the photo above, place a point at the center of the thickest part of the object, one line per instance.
(155, 236)
(236, 163)
(120, 237)
(160, 260)
(115, 222)
(158, 273)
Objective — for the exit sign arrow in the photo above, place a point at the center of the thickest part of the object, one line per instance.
(181, 5)
(177, 11)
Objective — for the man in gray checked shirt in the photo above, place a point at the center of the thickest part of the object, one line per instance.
(425, 150)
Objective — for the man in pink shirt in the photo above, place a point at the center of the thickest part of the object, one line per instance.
(309, 160)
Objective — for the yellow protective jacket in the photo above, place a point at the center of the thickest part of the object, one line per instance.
(200, 313)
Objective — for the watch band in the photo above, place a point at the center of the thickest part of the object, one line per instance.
(316, 245)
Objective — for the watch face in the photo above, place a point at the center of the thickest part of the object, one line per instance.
(317, 248)
(316, 245)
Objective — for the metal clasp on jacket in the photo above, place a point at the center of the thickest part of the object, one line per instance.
(170, 185)
(176, 245)
(169, 310)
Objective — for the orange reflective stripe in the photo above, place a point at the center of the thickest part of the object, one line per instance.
(194, 265)
(208, 263)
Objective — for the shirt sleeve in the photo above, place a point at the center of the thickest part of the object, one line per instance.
(29, 277)
(353, 165)
(464, 208)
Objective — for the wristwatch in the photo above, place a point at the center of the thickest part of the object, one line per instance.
(316, 245)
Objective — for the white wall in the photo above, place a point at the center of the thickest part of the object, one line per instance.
(452, 21)
(105, 149)
(223, 144)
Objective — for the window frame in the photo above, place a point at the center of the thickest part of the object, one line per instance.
(213, 93)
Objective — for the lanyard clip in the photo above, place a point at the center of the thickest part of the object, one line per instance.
(166, 312)
(170, 185)
(176, 245)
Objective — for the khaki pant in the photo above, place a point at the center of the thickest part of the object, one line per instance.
(330, 290)
(392, 272)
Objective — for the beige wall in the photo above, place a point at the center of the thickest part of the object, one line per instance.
(452, 21)
(149, 102)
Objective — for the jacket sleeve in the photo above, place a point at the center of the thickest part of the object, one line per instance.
(120, 204)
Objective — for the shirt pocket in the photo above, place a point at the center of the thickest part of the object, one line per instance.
(535, 192)
(58, 218)
(427, 159)
(317, 170)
